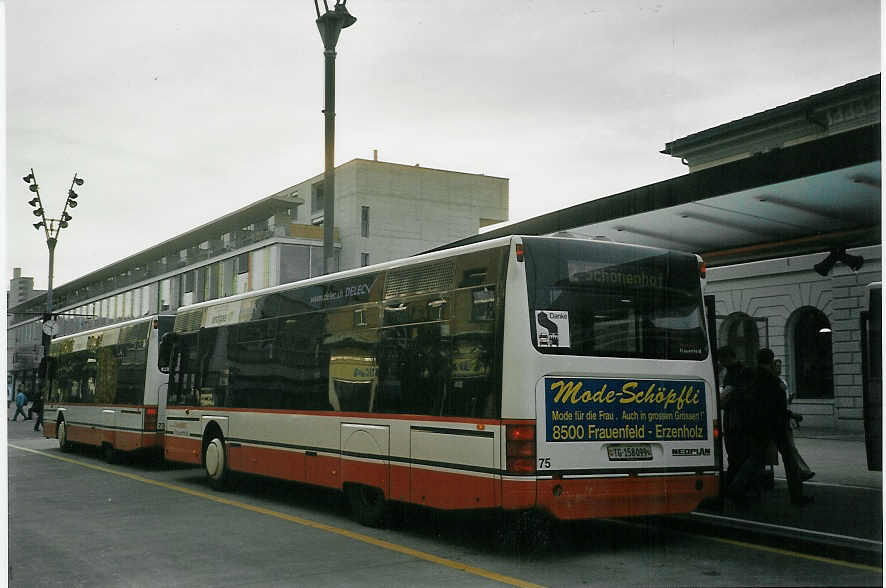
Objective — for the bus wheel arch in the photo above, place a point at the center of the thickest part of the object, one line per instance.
(368, 504)
(214, 457)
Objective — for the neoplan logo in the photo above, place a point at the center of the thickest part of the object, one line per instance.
(690, 452)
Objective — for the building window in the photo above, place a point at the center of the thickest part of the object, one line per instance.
(364, 221)
(295, 263)
(813, 354)
(364, 259)
(242, 272)
(317, 197)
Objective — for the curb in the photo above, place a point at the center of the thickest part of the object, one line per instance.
(831, 545)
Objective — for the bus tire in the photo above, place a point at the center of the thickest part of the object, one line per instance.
(368, 504)
(215, 462)
(110, 454)
(62, 434)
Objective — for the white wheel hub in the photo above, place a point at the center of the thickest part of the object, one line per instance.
(215, 458)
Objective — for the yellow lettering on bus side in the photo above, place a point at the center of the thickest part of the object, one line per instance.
(569, 391)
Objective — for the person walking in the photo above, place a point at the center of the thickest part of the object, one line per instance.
(806, 472)
(37, 407)
(20, 400)
(770, 423)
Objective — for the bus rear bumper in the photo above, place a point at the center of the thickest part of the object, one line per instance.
(585, 498)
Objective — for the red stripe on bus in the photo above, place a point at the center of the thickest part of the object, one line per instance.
(183, 449)
(92, 435)
(286, 465)
(52, 405)
(367, 473)
(518, 494)
(448, 490)
(624, 497)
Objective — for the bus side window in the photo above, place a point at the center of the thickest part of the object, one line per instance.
(473, 388)
(183, 368)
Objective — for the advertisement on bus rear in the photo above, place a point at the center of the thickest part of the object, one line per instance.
(624, 409)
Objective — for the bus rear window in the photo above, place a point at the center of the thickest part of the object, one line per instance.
(595, 298)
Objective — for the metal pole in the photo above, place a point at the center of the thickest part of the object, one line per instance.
(329, 171)
(47, 338)
(51, 244)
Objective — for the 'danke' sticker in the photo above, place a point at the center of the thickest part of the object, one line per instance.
(552, 328)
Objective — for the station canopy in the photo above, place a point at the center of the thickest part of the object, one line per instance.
(807, 198)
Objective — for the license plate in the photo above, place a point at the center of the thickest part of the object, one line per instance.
(629, 452)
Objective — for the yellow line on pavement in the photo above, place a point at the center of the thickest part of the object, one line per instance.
(847, 564)
(828, 560)
(294, 519)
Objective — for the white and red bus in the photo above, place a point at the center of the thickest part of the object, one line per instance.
(106, 389)
(563, 375)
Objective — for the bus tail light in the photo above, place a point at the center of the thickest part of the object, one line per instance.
(702, 268)
(718, 445)
(151, 418)
(520, 440)
(519, 251)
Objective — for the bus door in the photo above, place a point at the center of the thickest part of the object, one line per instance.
(160, 381)
(872, 376)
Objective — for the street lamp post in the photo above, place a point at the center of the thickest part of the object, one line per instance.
(330, 24)
(51, 227)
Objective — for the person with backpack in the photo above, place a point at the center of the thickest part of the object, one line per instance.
(20, 401)
(764, 413)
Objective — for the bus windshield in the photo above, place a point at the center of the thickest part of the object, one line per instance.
(595, 298)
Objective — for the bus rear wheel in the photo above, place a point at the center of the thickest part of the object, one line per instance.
(110, 454)
(368, 504)
(215, 462)
(62, 435)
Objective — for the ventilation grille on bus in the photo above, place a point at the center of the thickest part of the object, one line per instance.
(425, 278)
(188, 321)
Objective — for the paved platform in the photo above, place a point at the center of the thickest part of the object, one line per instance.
(846, 517)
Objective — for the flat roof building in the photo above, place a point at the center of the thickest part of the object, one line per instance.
(383, 211)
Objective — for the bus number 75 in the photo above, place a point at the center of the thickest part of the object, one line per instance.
(544, 463)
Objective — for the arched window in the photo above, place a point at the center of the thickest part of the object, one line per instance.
(813, 356)
(739, 332)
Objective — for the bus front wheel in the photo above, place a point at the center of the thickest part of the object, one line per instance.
(368, 504)
(215, 462)
(62, 435)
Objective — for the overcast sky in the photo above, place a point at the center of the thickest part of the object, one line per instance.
(178, 112)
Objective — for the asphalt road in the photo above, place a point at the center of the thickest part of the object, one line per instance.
(76, 521)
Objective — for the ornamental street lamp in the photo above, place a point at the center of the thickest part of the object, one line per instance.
(51, 227)
(330, 24)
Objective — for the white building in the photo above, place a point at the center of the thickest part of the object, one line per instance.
(383, 211)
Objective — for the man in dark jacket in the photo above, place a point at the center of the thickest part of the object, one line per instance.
(734, 388)
(38, 408)
(766, 418)
(769, 383)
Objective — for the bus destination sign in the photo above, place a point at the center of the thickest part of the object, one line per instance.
(624, 409)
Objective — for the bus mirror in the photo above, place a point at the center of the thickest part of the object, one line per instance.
(164, 353)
